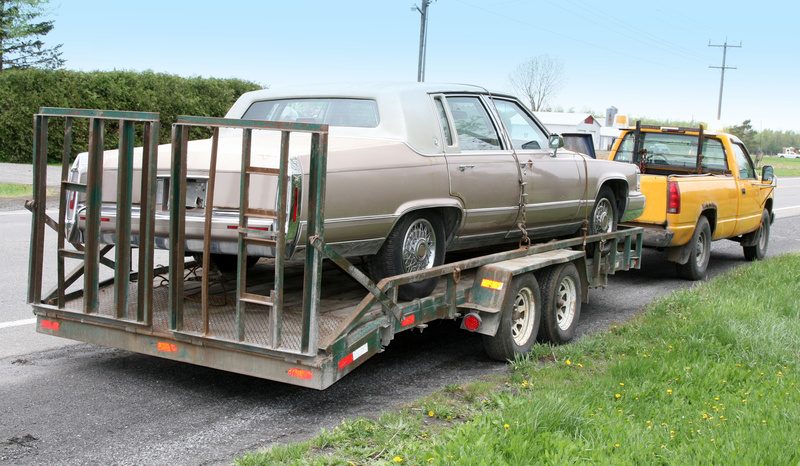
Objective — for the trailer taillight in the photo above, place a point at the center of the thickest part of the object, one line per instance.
(673, 198)
(165, 347)
(472, 321)
(50, 325)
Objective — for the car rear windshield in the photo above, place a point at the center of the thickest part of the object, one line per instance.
(674, 151)
(361, 113)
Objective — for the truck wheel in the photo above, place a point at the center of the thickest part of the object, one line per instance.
(519, 320)
(759, 249)
(561, 303)
(416, 243)
(700, 244)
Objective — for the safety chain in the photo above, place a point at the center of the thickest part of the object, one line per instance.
(524, 242)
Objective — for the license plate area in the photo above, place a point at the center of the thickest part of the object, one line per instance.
(195, 192)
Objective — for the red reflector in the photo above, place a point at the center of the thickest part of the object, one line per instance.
(166, 347)
(408, 320)
(301, 374)
(236, 227)
(50, 325)
(472, 322)
(345, 361)
(491, 284)
(673, 198)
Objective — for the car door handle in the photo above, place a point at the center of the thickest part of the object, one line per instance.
(464, 167)
(743, 191)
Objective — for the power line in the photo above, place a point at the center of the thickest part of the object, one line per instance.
(723, 68)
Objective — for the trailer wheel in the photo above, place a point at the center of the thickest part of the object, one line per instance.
(519, 321)
(700, 245)
(561, 303)
(416, 243)
(759, 248)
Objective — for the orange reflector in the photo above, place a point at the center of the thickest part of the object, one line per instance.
(50, 325)
(408, 320)
(491, 284)
(301, 374)
(166, 347)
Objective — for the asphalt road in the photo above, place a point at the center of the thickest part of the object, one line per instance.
(63, 402)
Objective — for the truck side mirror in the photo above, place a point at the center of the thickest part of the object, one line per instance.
(767, 174)
(556, 142)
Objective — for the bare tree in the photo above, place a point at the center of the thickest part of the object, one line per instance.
(537, 79)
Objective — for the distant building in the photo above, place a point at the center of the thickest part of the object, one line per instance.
(561, 122)
(603, 134)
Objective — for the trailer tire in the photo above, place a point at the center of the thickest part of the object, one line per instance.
(519, 320)
(561, 303)
(758, 250)
(700, 253)
(415, 243)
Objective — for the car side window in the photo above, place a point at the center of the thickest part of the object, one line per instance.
(746, 169)
(524, 132)
(473, 126)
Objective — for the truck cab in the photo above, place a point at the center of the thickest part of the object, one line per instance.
(700, 187)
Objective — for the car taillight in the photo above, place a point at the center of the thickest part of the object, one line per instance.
(673, 198)
(295, 203)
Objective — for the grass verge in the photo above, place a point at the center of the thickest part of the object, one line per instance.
(15, 190)
(783, 167)
(706, 375)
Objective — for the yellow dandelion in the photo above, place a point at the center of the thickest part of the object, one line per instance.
(669, 392)
(430, 413)
(569, 362)
(397, 459)
(617, 395)
(506, 426)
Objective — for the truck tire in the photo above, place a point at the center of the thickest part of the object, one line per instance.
(519, 320)
(561, 303)
(759, 248)
(700, 252)
(415, 243)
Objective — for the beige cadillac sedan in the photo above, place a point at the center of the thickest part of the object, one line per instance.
(413, 171)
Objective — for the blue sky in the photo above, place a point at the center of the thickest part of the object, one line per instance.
(648, 59)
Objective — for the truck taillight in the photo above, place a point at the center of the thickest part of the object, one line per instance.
(673, 198)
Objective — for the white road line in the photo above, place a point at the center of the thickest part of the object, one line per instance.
(15, 212)
(17, 323)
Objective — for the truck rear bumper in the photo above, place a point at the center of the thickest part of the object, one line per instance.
(654, 237)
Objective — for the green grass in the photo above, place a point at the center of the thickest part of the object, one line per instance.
(783, 167)
(704, 375)
(15, 190)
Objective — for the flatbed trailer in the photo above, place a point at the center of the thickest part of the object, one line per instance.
(307, 323)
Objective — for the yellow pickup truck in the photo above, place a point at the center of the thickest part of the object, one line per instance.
(700, 187)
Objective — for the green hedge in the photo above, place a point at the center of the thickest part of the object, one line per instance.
(22, 92)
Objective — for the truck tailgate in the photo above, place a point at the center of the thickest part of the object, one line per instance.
(655, 209)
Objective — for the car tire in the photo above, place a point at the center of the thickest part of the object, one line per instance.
(761, 241)
(519, 320)
(415, 243)
(603, 218)
(561, 303)
(700, 253)
(228, 263)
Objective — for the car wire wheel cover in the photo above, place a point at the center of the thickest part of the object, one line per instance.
(603, 219)
(419, 246)
(524, 316)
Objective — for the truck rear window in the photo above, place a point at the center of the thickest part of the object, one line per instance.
(674, 151)
(360, 113)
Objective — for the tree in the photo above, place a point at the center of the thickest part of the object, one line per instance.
(20, 33)
(746, 133)
(537, 79)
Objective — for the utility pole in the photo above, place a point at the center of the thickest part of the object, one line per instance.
(423, 38)
(723, 68)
